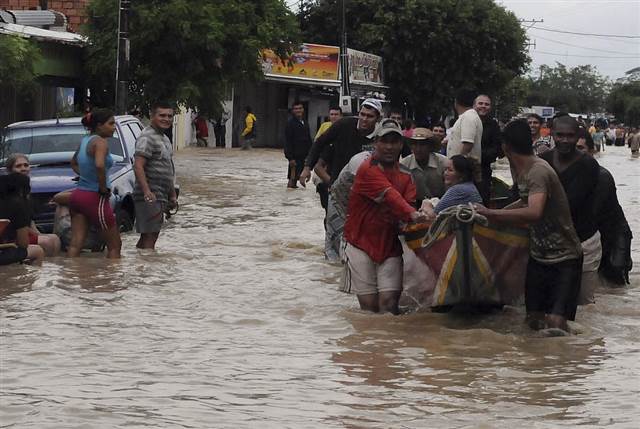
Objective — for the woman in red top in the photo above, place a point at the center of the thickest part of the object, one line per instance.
(383, 194)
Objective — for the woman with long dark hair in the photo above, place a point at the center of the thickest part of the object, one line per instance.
(461, 188)
(15, 220)
(89, 202)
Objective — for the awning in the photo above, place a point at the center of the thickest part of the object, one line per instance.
(302, 80)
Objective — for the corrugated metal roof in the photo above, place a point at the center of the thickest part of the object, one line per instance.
(35, 18)
(42, 34)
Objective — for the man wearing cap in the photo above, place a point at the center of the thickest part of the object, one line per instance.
(348, 136)
(426, 165)
(383, 194)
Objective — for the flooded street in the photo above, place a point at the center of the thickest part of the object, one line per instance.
(237, 322)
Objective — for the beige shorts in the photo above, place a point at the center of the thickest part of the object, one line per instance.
(366, 277)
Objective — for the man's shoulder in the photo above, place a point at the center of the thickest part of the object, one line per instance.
(440, 158)
(405, 170)
(540, 169)
(408, 161)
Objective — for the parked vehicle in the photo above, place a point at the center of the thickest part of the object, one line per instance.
(50, 145)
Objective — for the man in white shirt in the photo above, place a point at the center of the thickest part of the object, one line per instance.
(466, 133)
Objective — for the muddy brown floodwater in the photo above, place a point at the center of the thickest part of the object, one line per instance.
(236, 322)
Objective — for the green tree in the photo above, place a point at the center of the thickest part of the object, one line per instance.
(508, 101)
(18, 57)
(624, 101)
(579, 89)
(431, 48)
(186, 51)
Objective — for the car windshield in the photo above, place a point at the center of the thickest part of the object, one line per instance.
(51, 144)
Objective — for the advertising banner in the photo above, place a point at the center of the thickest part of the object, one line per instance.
(318, 62)
(365, 68)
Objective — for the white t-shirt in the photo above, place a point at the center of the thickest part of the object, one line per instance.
(467, 129)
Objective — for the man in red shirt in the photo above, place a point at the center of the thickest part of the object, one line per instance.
(383, 194)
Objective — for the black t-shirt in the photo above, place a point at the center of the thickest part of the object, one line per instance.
(346, 141)
(18, 211)
(579, 181)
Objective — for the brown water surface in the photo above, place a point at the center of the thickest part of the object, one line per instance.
(236, 322)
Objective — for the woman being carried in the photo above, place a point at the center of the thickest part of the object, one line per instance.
(89, 202)
(461, 189)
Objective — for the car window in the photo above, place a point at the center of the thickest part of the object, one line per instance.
(50, 140)
(129, 138)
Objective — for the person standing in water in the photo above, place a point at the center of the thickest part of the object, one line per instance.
(89, 202)
(154, 190)
(383, 194)
(579, 174)
(554, 270)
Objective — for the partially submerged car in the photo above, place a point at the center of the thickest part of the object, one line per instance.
(50, 145)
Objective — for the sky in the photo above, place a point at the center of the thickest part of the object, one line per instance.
(602, 17)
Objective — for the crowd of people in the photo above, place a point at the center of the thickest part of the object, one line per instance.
(373, 172)
(89, 203)
(381, 171)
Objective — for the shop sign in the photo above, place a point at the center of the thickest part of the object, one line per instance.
(365, 68)
(311, 62)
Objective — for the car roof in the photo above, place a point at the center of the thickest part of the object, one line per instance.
(62, 122)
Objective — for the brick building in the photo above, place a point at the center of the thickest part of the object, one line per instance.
(74, 10)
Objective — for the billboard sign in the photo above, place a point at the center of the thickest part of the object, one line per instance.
(318, 62)
(365, 68)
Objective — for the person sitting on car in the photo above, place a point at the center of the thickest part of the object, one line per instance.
(15, 221)
(19, 163)
(89, 202)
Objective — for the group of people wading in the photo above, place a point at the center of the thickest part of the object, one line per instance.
(89, 203)
(578, 235)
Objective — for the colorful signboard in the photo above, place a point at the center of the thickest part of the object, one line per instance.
(318, 62)
(365, 68)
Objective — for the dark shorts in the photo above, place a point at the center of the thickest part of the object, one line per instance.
(94, 206)
(553, 288)
(12, 255)
(299, 168)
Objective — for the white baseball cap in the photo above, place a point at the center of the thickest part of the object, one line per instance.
(374, 104)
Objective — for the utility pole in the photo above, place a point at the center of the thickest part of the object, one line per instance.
(344, 54)
(122, 64)
(532, 22)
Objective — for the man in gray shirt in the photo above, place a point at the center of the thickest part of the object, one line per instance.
(154, 190)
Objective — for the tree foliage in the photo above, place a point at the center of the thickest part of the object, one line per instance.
(18, 57)
(624, 101)
(186, 51)
(579, 89)
(431, 48)
(508, 101)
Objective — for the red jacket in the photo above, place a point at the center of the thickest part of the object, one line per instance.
(380, 197)
(202, 130)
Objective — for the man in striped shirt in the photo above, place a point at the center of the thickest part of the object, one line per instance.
(154, 190)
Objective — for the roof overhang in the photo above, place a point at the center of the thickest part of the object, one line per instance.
(42, 34)
(301, 80)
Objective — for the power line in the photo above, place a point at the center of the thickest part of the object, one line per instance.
(585, 56)
(583, 47)
(587, 34)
